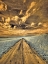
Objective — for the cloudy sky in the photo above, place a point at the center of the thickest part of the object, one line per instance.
(37, 8)
(24, 13)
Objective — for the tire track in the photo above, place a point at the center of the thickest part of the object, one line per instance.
(9, 53)
(21, 53)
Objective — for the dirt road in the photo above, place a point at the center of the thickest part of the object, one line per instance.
(21, 53)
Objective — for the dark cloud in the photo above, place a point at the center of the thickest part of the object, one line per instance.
(33, 18)
(41, 14)
(14, 7)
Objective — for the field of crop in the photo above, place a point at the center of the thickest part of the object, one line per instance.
(38, 42)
